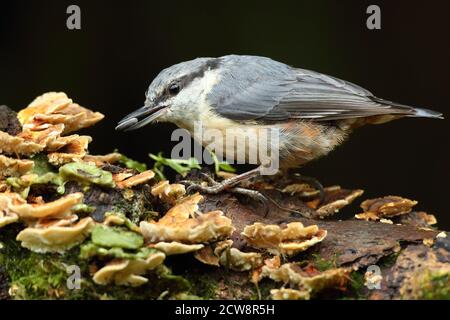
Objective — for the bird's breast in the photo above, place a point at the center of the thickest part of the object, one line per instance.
(293, 143)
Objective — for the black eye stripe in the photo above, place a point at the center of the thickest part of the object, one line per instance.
(185, 80)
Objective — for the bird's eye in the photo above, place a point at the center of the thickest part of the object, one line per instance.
(174, 88)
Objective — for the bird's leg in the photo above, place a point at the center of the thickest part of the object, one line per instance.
(255, 195)
(230, 185)
(217, 187)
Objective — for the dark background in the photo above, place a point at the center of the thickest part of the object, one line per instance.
(108, 64)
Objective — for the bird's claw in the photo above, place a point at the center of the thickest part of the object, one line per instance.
(313, 182)
(218, 187)
(204, 189)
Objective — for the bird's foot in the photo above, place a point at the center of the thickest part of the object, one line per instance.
(229, 185)
(313, 182)
(213, 186)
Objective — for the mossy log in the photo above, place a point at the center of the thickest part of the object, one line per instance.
(414, 262)
(409, 268)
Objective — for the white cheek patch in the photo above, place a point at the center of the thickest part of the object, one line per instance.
(190, 104)
(197, 90)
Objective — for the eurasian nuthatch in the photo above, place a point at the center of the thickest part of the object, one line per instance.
(314, 112)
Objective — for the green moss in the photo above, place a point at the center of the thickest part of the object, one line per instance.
(389, 260)
(33, 275)
(439, 288)
(433, 286)
(357, 289)
(323, 264)
(205, 286)
(137, 209)
(44, 276)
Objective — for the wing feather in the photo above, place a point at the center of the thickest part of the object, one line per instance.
(257, 88)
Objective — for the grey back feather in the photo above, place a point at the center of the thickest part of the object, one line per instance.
(258, 88)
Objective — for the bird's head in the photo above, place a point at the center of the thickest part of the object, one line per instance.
(175, 95)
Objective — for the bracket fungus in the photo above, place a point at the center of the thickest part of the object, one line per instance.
(305, 282)
(301, 189)
(101, 160)
(7, 200)
(171, 248)
(16, 145)
(55, 238)
(289, 294)
(10, 167)
(336, 198)
(235, 259)
(168, 192)
(292, 239)
(58, 208)
(128, 272)
(134, 180)
(72, 148)
(56, 108)
(223, 254)
(44, 122)
(177, 224)
(386, 207)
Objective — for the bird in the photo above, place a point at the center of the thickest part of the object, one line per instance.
(313, 113)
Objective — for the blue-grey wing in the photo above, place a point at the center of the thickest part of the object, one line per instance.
(256, 88)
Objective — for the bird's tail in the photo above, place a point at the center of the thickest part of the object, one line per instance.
(408, 111)
(426, 113)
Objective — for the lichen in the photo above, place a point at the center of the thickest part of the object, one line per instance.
(87, 174)
(116, 237)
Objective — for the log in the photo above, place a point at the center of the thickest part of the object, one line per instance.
(402, 258)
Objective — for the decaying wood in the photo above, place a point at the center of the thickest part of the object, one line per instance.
(414, 266)
(355, 243)
(8, 121)
(352, 243)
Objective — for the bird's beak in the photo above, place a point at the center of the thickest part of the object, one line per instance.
(140, 118)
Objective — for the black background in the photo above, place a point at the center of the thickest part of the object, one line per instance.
(108, 64)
